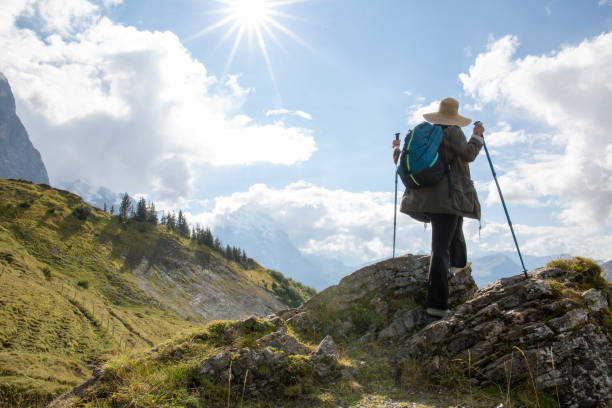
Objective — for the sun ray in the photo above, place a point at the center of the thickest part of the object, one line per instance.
(264, 51)
(212, 27)
(229, 33)
(291, 34)
(234, 48)
(252, 19)
(275, 39)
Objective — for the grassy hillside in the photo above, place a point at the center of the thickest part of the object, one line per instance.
(77, 287)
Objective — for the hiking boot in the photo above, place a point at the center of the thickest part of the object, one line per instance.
(437, 312)
(455, 269)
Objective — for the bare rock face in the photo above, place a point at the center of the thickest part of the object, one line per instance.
(517, 329)
(18, 157)
(382, 301)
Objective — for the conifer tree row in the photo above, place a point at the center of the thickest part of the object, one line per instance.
(146, 212)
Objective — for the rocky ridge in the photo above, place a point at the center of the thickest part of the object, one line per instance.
(553, 330)
(18, 157)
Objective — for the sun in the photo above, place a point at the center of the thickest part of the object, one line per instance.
(255, 18)
(251, 14)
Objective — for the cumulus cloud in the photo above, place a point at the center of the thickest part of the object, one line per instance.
(502, 135)
(300, 113)
(416, 112)
(569, 91)
(353, 227)
(130, 109)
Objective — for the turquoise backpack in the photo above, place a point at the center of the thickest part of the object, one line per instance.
(419, 164)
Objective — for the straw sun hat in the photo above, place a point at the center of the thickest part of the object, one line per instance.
(447, 114)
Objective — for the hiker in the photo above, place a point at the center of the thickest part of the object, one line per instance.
(445, 203)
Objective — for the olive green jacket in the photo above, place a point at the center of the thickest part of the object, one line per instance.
(462, 199)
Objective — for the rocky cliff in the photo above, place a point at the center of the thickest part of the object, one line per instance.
(18, 157)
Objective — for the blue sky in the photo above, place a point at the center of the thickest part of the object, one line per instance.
(125, 94)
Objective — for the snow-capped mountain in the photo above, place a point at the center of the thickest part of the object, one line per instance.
(263, 240)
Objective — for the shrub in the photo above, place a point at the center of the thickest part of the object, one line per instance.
(47, 272)
(83, 283)
(82, 212)
(589, 269)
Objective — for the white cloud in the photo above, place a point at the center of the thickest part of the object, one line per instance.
(502, 135)
(300, 113)
(604, 2)
(128, 108)
(570, 91)
(416, 112)
(353, 227)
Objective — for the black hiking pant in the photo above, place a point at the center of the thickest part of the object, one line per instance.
(447, 249)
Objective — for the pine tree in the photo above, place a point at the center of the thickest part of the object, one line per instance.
(152, 214)
(208, 238)
(125, 207)
(217, 244)
(141, 210)
(105, 208)
(181, 225)
(171, 221)
(112, 210)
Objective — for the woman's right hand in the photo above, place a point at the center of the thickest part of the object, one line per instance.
(478, 129)
(396, 143)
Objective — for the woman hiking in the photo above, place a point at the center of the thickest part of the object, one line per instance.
(447, 202)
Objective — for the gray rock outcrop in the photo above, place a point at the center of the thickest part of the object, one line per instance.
(543, 331)
(18, 157)
(275, 360)
(381, 301)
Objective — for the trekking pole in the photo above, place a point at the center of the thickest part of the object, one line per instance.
(505, 208)
(395, 205)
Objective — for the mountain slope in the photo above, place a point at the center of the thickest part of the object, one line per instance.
(77, 286)
(493, 267)
(18, 157)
